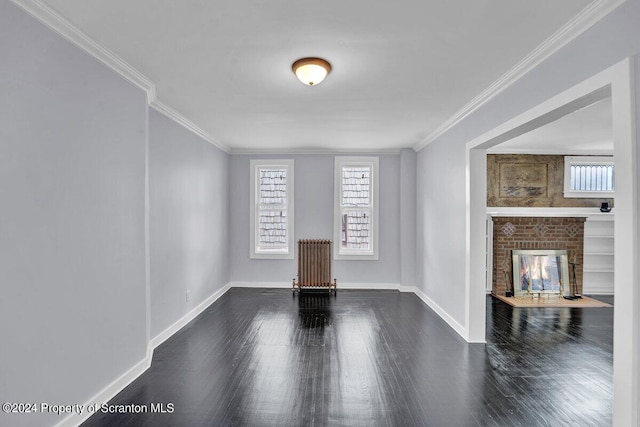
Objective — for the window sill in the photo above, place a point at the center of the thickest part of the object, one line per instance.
(589, 195)
(355, 257)
(271, 256)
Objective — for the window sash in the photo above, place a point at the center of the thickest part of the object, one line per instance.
(272, 233)
(356, 185)
(356, 229)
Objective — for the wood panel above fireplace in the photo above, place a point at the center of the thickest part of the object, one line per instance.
(530, 180)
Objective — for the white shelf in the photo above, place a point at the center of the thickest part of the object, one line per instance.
(593, 214)
(598, 268)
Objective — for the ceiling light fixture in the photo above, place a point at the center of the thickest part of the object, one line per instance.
(311, 71)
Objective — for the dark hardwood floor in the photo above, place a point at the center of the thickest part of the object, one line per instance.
(260, 357)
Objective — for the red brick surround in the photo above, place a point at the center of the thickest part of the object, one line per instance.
(535, 233)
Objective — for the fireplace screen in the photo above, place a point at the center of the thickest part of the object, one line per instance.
(540, 271)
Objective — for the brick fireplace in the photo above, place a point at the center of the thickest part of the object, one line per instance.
(544, 233)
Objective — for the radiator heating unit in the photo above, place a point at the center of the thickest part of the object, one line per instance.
(314, 265)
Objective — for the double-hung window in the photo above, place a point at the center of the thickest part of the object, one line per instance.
(356, 208)
(272, 209)
(589, 176)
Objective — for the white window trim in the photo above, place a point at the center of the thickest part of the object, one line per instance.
(255, 252)
(355, 254)
(585, 160)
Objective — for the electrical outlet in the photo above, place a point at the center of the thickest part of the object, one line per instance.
(188, 296)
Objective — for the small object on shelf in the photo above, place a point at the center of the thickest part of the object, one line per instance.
(604, 207)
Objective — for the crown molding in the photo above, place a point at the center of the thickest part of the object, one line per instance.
(284, 151)
(182, 120)
(67, 30)
(568, 32)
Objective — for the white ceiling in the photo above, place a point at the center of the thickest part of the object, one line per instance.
(400, 69)
(586, 131)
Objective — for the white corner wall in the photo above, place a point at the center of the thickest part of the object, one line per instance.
(72, 234)
(408, 162)
(189, 217)
(441, 228)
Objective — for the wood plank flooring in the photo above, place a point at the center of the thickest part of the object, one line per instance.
(262, 357)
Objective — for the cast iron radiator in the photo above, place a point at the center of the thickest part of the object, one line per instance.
(314, 265)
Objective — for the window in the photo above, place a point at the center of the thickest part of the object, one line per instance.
(272, 209)
(356, 208)
(589, 176)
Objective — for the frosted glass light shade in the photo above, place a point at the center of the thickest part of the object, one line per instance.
(311, 71)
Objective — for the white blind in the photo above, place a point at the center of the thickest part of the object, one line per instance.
(596, 177)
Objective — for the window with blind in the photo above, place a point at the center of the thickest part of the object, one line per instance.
(356, 208)
(272, 209)
(589, 176)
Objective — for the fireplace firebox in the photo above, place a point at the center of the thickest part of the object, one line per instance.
(539, 271)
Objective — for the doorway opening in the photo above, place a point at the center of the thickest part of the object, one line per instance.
(616, 82)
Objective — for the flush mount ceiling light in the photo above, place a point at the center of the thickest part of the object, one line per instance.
(311, 71)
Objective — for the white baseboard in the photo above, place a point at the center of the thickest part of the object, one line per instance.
(352, 285)
(370, 286)
(109, 391)
(128, 377)
(407, 288)
(195, 312)
(277, 285)
(597, 291)
(461, 330)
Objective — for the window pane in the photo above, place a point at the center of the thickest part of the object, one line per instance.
(272, 209)
(356, 229)
(356, 186)
(610, 182)
(273, 228)
(273, 187)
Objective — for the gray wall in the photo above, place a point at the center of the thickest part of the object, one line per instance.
(188, 199)
(314, 219)
(72, 260)
(441, 165)
(408, 193)
(441, 226)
